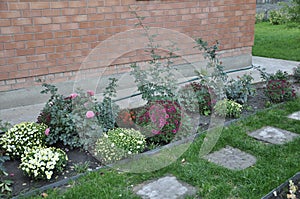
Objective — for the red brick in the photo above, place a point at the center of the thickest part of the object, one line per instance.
(46, 64)
(31, 13)
(97, 31)
(79, 18)
(42, 20)
(16, 60)
(80, 46)
(35, 58)
(69, 26)
(22, 52)
(65, 61)
(44, 50)
(63, 48)
(62, 34)
(89, 24)
(21, 21)
(11, 14)
(8, 68)
(71, 40)
(4, 22)
(51, 27)
(57, 69)
(18, 74)
(76, 53)
(27, 66)
(53, 42)
(95, 17)
(18, 5)
(35, 43)
(10, 30)
(55, 56)
(59, 4)
(39, 5)
(61, 19)
(38, 71)
(3, 6)
(14, 45)
(52, 12)
(77, 4)
(70, 11)
(80, 32)
(32, 29)
(44, 35)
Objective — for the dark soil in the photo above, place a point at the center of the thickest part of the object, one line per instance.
(23, 184)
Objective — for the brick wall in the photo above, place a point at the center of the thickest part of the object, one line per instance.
(50, 40)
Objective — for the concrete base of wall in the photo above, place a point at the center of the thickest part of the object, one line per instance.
(31, 95)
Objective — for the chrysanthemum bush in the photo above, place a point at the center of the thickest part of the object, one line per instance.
(119, 143)
(278, 88)
(42, 162)
(160, 120)
(22, 136)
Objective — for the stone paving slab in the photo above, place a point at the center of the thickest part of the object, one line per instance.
(167, 187)
(273, 135)
(231, 158)
(295, 116)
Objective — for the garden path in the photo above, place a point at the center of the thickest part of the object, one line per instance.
(228, 157)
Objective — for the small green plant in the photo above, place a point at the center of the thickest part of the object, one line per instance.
(5, 185)
(81, 167)
(119, 143)
(260, 17)
(196, 97)
(297, 73)
(4, 126)
(42, 163)
(22, 136)
(228, 108)
(240, 89)
(156, 82)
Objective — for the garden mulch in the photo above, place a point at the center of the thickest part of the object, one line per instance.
(23, 184)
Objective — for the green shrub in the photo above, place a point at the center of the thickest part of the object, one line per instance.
(57, 115)
(277, 17)
(22, 136)
(278, 88)
(196, 97)
(78, 114)
(5, 185)
(297, 73)
(239, 90)
(42, 163)
(228, 108)
(119, 143)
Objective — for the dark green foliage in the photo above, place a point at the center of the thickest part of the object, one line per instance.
(239, 90)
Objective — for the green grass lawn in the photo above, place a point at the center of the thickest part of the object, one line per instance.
(277, 41)
(275, 164)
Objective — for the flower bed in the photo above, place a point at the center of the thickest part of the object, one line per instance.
(287, 190)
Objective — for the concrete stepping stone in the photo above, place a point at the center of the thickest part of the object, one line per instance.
(295, 116)
(273, 135)
(167, 187)
(231, 158)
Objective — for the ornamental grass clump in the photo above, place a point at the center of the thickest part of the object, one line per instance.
(41, 163)
(119, 143)
(22, 136)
